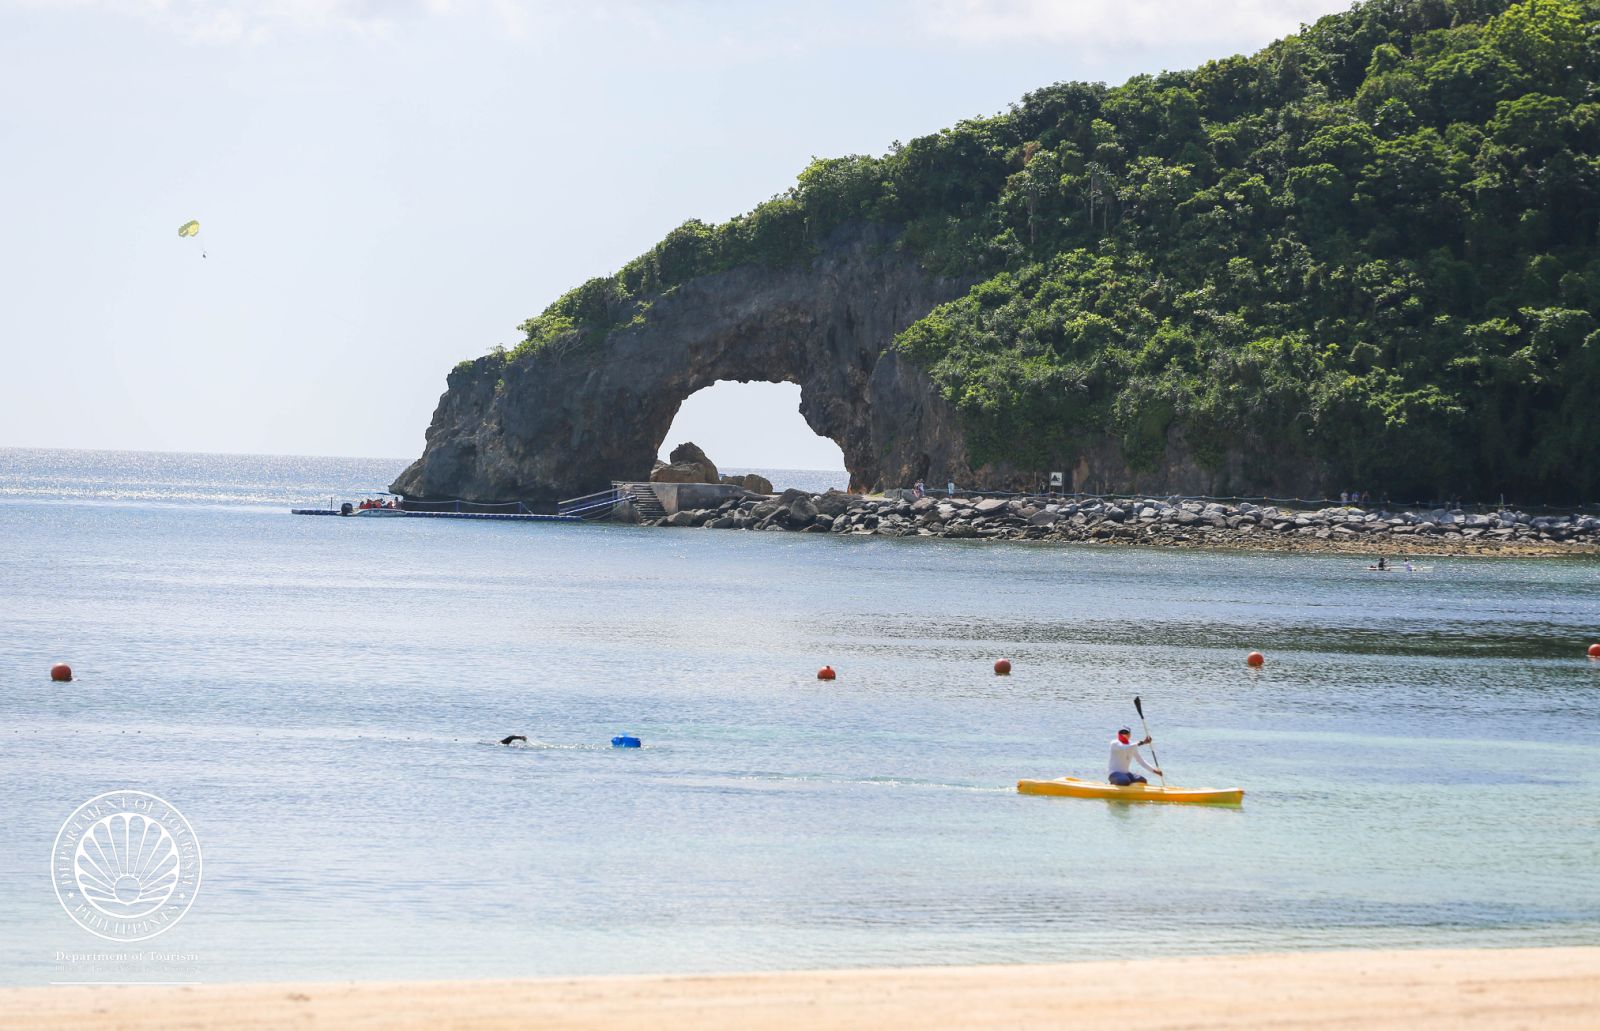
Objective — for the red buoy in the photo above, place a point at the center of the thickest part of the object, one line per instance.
(826, 673)
(1255, 659)
(1002, 667)
(1594, 651)
(61, 672)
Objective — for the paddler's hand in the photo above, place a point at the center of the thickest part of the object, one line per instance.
(1146, 741)
(1159, 773)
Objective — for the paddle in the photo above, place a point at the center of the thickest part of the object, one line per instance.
(1139, 707)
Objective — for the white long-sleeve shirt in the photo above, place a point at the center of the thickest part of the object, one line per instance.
(1122, 755)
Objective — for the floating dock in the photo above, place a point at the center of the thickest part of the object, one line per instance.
(520, 517)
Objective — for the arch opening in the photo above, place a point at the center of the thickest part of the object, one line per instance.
(757, 427)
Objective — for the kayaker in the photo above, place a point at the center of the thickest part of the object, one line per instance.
(1123, 754)
(1382, 566)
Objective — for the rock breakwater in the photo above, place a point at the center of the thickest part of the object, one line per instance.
(1152, 521)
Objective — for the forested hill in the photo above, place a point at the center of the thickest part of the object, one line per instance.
(1367, 253)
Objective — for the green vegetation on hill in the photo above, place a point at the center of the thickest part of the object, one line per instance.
(1370, 247)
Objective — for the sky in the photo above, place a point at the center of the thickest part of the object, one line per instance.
(386, 187)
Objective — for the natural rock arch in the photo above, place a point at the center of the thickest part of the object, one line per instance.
(750, 424)
(577, 414)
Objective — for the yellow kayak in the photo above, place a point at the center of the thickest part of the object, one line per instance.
(1072, 787)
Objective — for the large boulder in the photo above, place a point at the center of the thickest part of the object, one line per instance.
(688, 465)
(664, 473)
(749, 481)
(836, 502)
(689, 452)
(802, 513)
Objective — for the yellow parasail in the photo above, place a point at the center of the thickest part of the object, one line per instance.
(189, 228)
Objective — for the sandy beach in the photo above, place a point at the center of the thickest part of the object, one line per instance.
(1438, 988)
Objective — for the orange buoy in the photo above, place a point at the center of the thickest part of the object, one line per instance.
(826, 673)
(61, 672)
(1002, 668)
(1255, 659)
(1594, 651)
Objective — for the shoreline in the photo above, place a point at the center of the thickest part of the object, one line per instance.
(1553, 987)
(1390, 549)
(1150, 522)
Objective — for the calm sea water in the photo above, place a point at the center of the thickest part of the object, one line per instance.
(320, 697)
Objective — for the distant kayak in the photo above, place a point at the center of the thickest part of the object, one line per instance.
(1072, 787)
(1400, 569)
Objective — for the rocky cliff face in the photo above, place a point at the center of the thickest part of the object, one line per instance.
(568, 419)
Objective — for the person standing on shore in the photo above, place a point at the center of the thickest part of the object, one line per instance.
(1124, 753)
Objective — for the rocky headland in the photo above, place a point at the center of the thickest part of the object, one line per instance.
(565, 419)
(1362, 256)
(1154, 522)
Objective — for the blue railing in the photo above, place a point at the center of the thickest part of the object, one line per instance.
(600, 503)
